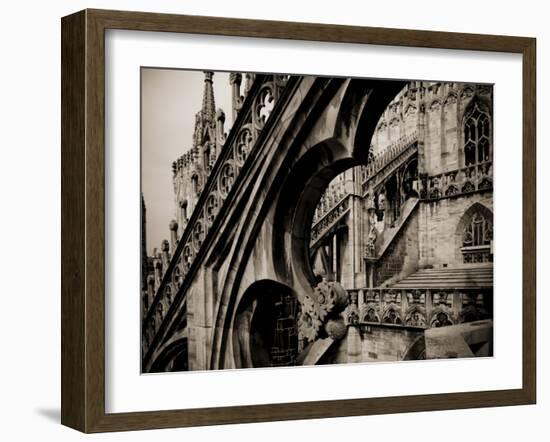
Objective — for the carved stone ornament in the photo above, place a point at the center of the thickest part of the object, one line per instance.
(329, 298)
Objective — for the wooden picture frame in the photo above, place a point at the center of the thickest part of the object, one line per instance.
(83, 220)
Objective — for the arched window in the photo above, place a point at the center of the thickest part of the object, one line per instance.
(392, 317)
(441, 320)
(477, 130)
(477, 236)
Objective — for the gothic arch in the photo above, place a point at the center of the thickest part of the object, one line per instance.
(369, 313)
(392, 314)
(415, 316)
(328, 132)
(295, 210)
(477, 132)
(434, 105)
(452, 98)
(372, 110)
(482, 102)
(476, 208)
(360, 110)
(441, 317)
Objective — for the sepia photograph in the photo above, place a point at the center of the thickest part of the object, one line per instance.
(299, 220)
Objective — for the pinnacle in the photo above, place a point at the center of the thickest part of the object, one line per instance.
(208, 102)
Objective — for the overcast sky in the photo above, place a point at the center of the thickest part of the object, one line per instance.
(170, 100)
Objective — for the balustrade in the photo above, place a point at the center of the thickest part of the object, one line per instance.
(377, 163)
(419, 308)
(336, 191)
(458, 182)
(330, 218)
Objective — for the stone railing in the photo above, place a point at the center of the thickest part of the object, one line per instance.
(420, 308)
(384, 163)
(251, 119)
(335, 193)
(477, 254)
(329, 219)
(458, 182)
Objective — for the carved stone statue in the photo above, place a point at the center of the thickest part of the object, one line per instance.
(371, 243)
(381, 201)
(370, 247)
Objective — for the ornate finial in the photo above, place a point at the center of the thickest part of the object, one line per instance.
(208, 103)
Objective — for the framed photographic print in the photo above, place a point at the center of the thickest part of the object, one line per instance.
(266, 220)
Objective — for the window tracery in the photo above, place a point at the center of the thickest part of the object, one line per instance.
(477, 236)
(477, 132)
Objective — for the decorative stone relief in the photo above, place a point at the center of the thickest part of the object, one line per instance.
(323, 308)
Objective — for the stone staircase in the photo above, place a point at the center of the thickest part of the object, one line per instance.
(386, 163)
(389, 233)
(456, 277)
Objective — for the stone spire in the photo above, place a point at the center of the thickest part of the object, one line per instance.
(205, 119)
(208, 103)
(190, 172)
